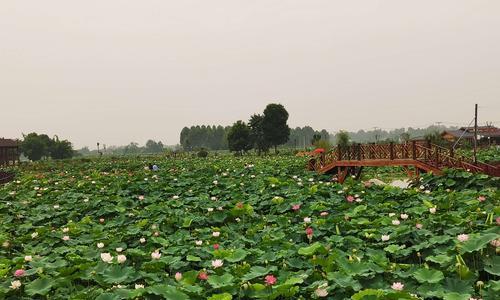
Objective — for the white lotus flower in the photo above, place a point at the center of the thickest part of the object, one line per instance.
(198, 243)
(119, 249)
(66, 238)
(65, 229)
(432, 210)
(215, 233)
(307, 220)
(385, 238)
(404, 216)
(121, 258)
(217, 263)
(34, 235)
(396, 222)
(142, 240)
(321, 292)
(210, 209)
(15, 284)
(100, 245)
(106, 257)
(139, 286)
(28, 258)
(156, 255)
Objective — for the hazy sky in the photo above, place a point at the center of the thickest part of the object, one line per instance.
(117, 71)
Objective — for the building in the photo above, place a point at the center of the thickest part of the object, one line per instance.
(9, 152)
(486, 135)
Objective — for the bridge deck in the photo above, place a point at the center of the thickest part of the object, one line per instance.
(428, 158)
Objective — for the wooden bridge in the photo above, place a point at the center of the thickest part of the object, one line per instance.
(428, 157)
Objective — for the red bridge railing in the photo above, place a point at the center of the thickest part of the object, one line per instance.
(429, 154)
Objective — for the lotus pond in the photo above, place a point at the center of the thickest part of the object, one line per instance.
(242, 228)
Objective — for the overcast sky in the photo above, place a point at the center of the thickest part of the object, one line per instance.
(117, 71)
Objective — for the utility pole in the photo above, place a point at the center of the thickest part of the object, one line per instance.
(475, 134)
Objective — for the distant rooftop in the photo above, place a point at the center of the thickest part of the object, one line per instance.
(8, 143)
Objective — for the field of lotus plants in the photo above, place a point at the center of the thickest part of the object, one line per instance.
(224, 228)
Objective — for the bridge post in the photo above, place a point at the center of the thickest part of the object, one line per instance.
(414, 149)
(391, 148)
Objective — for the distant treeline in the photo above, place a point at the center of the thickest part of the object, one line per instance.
(207, 137)
(215, 137)
(151, 147)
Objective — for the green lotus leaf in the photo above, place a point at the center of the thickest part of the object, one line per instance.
(428, 275)
(40, 286)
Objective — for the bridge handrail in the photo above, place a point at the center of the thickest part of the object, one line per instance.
(430, 154)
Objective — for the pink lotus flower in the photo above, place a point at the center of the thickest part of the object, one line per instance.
(350, 198)
(270, 280)
(178, 276)
(202, 276)
(397, 286)
(462, 237)
(396, 222)
(19, 273)
(309, 233)
(324, 213)
(498, 220)
(141, 197)
(295, 207)
(481, 198)
(419, 226)
(65, 238)
(216, 246)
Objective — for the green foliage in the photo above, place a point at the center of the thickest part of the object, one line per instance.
(274, 124)
(342, 139)
(249, 201)
(239, 137)
(257, 133)
(36, 147)
(208, 137)
(202, 153)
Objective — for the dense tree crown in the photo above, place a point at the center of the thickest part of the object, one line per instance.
(37, 146)
(239, 137)
(274, 124)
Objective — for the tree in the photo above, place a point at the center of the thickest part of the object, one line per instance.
(35, 146)
(342, 138)
(316, 137)
(239, 137)
(61, 149)
(153, 147)
(404, 137)
(276, 130)
(257, 133)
